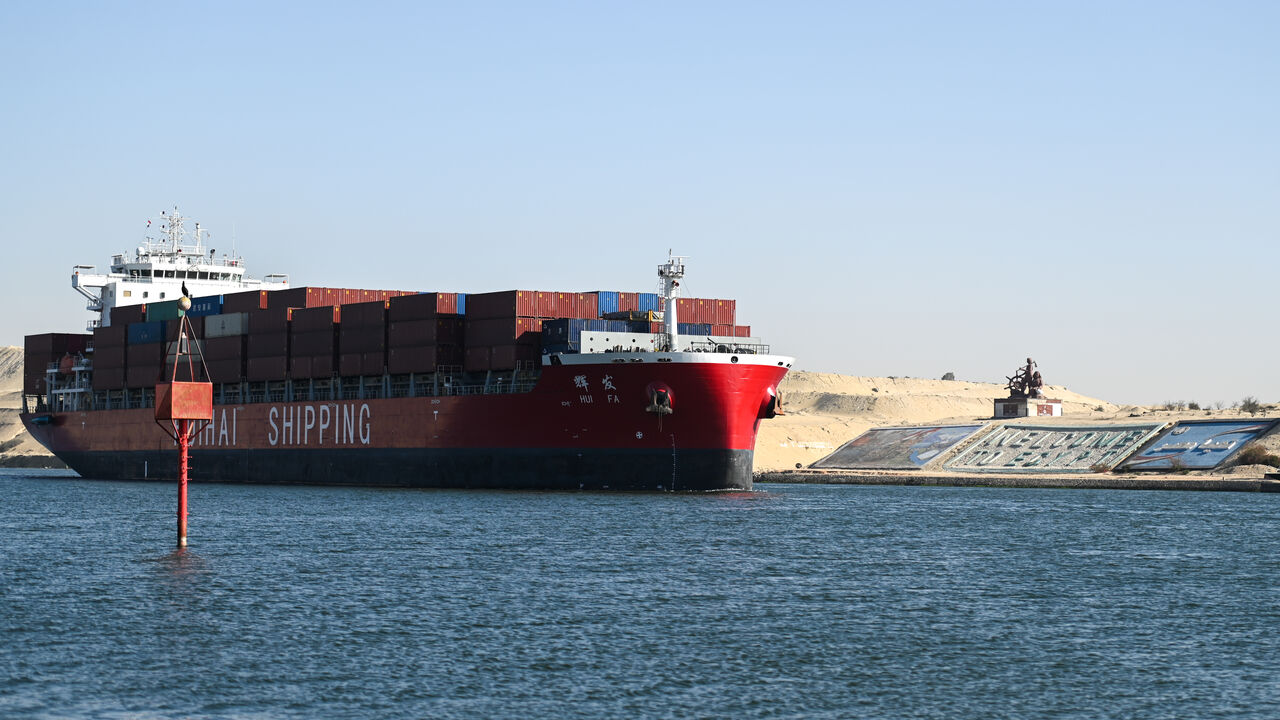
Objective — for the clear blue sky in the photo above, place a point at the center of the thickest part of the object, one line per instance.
(887, 188)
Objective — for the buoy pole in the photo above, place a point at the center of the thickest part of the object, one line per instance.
(184, 441)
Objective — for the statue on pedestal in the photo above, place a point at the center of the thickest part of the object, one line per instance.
(1026, 383)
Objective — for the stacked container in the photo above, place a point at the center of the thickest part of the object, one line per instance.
(267, 350)
(362, 338)
(109, 357)
(41, 350)
(424, 331)
(224, 346)
(313, 341)
(144, 353)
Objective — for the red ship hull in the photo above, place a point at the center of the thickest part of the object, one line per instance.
(586, 425)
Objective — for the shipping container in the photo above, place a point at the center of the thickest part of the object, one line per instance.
(226, 325)
(164, 310)
(275, 367)
(108, 357)
(462, 306)
(244, 301)
(350, 364)
(300, 297)
(200, 307)
(364, 314)
(361, 339)
(108, 378)
(56, 344)
(628, 301)
(742, 331)
(421, 306)
(502, 304)
(126, 314)
(503, 331)
(225, 371)
(299, 367)
(506, 357)
(313, 343)
(607, 301)
(648, 301)
(113, 336)
(271, 320)
(230, 347)
(476, 358)
(322, 366)
(726, 312)
(312, 319)
(403, 360)
(267, 344)
(146, 332)
(173, 327)
(142, 376)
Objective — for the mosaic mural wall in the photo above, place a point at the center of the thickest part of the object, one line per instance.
(896, 448)
(1052, 448)
(1198, 444)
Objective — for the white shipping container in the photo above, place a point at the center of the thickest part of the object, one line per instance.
(226, 325)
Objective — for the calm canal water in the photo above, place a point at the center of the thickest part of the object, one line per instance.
(789, 602)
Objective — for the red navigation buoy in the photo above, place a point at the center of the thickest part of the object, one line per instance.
(183, 407)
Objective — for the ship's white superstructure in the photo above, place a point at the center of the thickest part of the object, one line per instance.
(158, 270)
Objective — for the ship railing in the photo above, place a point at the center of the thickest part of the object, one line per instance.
(728, 347)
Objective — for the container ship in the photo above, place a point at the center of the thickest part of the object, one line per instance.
(520, 389)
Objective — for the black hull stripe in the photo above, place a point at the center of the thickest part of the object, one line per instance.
(529, 469)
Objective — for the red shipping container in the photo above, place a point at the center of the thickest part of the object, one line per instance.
(364, 314)
(171, 328)
(322, 365)
(244, 301)
(107, 337)
(225, 348)
(421, 306)
(366, 339)
(275, 367)
(502, 304)
(503, 331)
(108, 378)
(374, 363)
(300, 367)
(627, 301)
(313, 343)
(742, 331)
(110, 357)
(349, 364)
(142, 376)
(126, 314)
(412, 333)
(475, 357)
(265, 345)
(315, 318)
(722, 330)
(225, 371)
(272, 320)
(656, 327)
(404, 360)
(726, 312)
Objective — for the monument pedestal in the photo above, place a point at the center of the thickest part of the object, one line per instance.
(1027, 407)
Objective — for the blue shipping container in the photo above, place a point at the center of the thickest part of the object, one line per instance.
(607, 301)
(200, 307)
(462, 303)
(650, 301)
(693, 328)
(146, 332)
